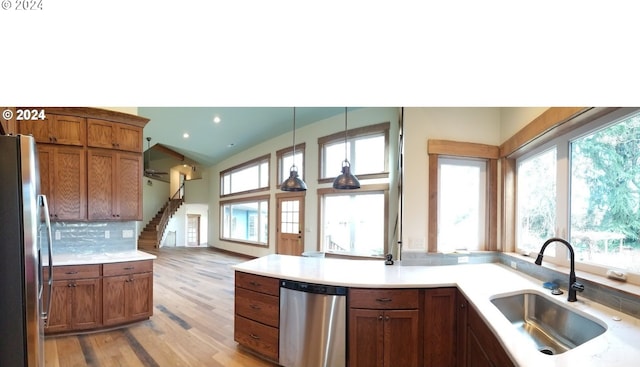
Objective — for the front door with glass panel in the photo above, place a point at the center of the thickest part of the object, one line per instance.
(290, 224)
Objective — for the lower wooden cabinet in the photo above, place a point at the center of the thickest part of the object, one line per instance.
(440, 332)
(88, 297)
(384, 327)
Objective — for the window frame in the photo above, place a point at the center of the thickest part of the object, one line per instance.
(447, 148)
(554, 122)
(248, 164)
(352, 135)
(284, 171)
(252, 199)
(363, 190)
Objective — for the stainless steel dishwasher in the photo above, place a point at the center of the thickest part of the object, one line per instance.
(312, 325)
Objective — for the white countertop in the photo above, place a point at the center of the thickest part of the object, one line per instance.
(98, 258)
(619, 346)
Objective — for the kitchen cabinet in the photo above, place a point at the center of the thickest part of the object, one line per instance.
(257, 309)
(56, 129)
(440, 327)
(478, 346)
(114, 185)
(128, 291)
(384, 327)
(76, 299)
(63, 180)
(114, 135)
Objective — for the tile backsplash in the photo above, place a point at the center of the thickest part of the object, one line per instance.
(94, 237)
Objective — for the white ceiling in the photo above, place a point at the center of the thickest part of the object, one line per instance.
(239, 129)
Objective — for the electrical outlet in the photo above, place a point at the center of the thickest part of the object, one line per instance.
(127, 233)
(514, 265)
(58, 235)
(463, 259)
(107, 234)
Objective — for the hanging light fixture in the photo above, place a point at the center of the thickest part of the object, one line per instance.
(346, 180)
(294, 182)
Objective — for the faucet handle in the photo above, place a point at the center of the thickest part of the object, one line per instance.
(577, 286)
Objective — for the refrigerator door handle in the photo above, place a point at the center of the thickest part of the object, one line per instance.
(45, 207)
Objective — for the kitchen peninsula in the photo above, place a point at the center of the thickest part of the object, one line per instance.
(474, 313)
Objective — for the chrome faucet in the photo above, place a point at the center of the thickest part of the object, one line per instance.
(574, 286)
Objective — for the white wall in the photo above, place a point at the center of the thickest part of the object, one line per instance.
(309, 135)
(512, 119)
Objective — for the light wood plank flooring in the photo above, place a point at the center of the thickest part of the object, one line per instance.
(192, 324)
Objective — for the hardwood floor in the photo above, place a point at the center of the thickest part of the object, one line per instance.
(192, 324)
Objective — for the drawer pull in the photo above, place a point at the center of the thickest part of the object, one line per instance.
(255, 284)
(254, 336)
(129, 268)
(71, 272)
(384, 300)
(255, 307)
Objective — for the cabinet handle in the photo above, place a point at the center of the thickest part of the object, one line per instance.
(255, 284)
(129, 268)
(71, 272)
(254, 336)
(254, 307)
(384, 300)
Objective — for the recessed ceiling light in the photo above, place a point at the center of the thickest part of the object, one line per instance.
(216, 119)
(185, 135)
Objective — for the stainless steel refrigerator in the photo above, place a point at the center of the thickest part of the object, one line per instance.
(25, 241)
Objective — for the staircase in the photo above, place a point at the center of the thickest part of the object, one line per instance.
(151, 235)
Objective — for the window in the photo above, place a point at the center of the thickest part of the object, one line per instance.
(245, 221)
(367, 152)
(536, 201)
(592, 199)
(286, 160)
(247, 177)
(354, 223)
(462, 198)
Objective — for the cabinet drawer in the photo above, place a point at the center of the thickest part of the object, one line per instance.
(74, 272)
(128, 267)
(256, 306)
(260, 338)
(383, 299)
(258, 283)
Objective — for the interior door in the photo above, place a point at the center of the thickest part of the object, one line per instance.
(290, 223)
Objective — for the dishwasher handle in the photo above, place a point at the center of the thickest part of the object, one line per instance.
(314, 288)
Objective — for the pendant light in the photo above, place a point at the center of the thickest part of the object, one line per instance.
(294, 182)
(346, 180)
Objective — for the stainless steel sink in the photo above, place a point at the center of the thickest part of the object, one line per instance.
(551, 327)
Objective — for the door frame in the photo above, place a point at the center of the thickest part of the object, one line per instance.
(300, 195)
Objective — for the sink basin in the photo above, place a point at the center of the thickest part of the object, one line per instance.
(550, 327)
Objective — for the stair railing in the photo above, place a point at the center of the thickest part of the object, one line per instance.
(174, 203)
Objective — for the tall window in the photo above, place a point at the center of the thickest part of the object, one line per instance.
(245, 221)
(247, 177)
(286, 160)
(594, 199)
(536, 201)
(367, 152)
(354, 223)
(462, 204)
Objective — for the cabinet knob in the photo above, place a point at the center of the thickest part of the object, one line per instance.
(380, 317)
(387, 318)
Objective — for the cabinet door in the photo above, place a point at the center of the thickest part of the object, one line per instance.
(401, 342)
(87, 304)
(129, 138)
(366, 338)
(61, 300)
(69, 184)
(101, 168)
(68, 130)
(114, 306)
(139, 296)
(129, 187)
(39, 129)
(440, 327)
(477, 356)
(45, 165)
(101, 134)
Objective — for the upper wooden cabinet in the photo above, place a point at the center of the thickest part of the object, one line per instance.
(114, 135)
(56, 129)
(63, 181)
(114, 185)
